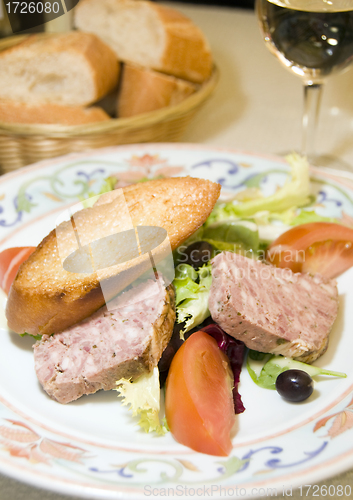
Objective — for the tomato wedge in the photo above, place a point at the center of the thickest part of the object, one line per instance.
(199, 402)
(10, 261)
(317, 247)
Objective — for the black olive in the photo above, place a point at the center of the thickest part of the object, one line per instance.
(294, 385)
(197, 254)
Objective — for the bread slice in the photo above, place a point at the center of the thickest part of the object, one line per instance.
(21, 113)
(45, 298)
(148, 34)
(73, 69)
(143, 90)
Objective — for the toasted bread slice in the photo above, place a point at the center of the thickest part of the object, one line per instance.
(45, 298)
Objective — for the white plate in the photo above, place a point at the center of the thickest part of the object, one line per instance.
(91, 447)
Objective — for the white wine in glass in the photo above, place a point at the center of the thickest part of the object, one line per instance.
(313, 39)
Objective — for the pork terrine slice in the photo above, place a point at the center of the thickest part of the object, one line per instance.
(270, 309)
(125, 341)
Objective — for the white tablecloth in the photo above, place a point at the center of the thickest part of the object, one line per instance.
(257, 107)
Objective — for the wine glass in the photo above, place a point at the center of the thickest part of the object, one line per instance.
(313, 39)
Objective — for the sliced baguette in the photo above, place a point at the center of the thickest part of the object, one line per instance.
(73, 69)
(148, 34)
(143, 90)
(45, 298)
(49, 114)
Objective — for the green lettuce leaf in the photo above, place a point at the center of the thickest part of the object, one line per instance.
(145, 179)
(294, 193)
(192, 294)
(107, 186)
(306, 216)
(244, 234)
(222, 246)
(35, 337)
(229, 235)
(265, 368)
(185, 283)
(143, 399)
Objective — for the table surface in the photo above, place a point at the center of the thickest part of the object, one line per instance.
(257, 107)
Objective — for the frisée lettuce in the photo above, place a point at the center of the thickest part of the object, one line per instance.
(295, 193)
(192, 288)
(143, 399)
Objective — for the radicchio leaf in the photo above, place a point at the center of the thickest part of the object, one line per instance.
(235, 350)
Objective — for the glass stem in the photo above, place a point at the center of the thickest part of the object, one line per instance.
(312, 100)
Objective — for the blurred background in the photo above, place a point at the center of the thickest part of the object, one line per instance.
(247, 4)
(20, 23)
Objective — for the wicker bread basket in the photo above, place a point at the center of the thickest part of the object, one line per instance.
(22, 145)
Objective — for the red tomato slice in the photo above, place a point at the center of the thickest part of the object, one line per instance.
(199, 402)
(10, 261)
(318, 247)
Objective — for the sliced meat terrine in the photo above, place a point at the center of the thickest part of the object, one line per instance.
(125, 341)
(271, 309)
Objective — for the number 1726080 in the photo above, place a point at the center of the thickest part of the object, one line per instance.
(324, 490)
(33, 7)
